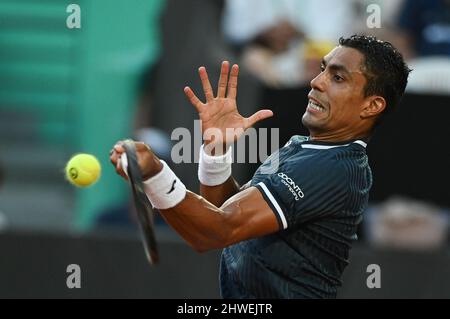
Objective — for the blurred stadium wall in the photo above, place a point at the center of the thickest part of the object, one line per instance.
(34, 266)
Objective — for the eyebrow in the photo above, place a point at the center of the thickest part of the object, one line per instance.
(337, 67)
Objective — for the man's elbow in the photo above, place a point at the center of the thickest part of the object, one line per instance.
(221, 237)
(201, 248)
(212, 244)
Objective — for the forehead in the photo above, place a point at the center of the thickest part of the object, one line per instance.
(350, 58)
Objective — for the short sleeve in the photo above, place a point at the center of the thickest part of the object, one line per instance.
(300, 192)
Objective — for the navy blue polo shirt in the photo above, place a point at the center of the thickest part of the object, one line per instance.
(318, 192)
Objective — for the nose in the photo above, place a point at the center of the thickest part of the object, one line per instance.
(318, 82)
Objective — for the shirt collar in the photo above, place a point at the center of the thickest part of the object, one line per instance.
(322, 145)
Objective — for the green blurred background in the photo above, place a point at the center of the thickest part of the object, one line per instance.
(65, 91)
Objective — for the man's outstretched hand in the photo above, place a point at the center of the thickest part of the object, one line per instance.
(220, 112)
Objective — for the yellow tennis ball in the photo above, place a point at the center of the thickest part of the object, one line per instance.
(83, 170)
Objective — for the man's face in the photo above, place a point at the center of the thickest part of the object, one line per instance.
(337, 96)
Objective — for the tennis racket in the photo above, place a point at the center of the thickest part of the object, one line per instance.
(142, 204)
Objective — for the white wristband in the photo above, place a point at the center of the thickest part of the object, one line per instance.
(165, 190)
(214, 170)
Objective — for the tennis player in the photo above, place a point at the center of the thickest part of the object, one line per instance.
(286, 234)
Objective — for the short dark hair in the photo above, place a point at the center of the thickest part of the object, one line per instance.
(384, 68)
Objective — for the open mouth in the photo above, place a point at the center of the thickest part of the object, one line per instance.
(316, 106)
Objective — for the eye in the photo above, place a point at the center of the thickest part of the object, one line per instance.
(338, 78)
(322, 68)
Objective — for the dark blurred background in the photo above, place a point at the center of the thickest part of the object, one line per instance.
(121, 74)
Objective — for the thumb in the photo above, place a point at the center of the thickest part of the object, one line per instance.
(258, 116)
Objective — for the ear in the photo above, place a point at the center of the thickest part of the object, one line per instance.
(373, 106)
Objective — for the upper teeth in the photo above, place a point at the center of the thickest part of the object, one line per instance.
(315, 105)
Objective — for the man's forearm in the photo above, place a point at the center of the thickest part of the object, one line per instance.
(217, 195)
(203, 225)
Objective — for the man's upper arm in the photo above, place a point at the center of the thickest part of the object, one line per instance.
(249, 216)
(298, 193)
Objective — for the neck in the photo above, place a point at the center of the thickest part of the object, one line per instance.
(339, 137)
